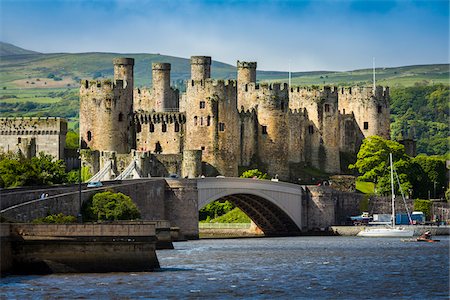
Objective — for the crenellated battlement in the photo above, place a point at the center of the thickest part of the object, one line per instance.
(364, 92)
(161, 66)
(212, 83)
(300, 111)
(33, 125)
(200, 60)
(247, 112)
(246, 64)
(123, 61)
(101, 85)
(160, 117)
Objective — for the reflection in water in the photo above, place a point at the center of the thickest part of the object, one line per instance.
(267, 268)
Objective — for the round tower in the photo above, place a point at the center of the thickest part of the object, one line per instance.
(123, 70)
(106, 109)
(161, 85)
(192, 163)
(246, 72)
(200, 67)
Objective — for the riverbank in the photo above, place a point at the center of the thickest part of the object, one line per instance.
(218, 231)
(418, 229)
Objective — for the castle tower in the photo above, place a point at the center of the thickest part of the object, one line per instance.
(246, 85)
(371, 110)
(246, 72)
(212, 125)
(106, 110)
(273, 138)
(161, 86)
(123, 70)
(200, 67)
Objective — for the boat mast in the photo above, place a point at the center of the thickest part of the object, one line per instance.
(392, 190)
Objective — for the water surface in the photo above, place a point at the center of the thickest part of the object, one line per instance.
(264, 268)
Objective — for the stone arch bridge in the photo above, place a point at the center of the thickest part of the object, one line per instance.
(278, 208)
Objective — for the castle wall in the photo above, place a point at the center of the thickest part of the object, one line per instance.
(321, 109)
(296, 132)
(33, 135)
(248, 139)
(212, 125)
(161, 97)
(161, 133)
(371, 110)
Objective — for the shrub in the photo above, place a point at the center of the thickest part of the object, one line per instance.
(55, 219)
(110, 206)
(423, 206)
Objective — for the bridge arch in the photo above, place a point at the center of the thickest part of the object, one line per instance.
(275, 207)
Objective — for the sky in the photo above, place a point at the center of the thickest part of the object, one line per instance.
(280, 35)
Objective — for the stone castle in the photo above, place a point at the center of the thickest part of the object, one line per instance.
(219, 127)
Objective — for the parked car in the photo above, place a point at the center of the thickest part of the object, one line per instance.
(94, 184)
(174, 176)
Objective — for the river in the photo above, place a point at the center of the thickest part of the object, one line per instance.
(264, 268)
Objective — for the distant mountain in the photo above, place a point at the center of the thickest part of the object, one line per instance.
(20, 68)
(9, 49)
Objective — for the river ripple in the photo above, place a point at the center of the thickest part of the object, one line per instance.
(264, 268)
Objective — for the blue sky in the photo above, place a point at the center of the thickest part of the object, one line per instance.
(307, 35)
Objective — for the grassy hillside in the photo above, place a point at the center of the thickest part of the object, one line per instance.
(20, 67)
(9, 49)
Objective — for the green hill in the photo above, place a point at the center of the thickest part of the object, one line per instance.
(9, 49)
(18, 65)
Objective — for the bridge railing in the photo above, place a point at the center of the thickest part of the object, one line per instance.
(224, 225)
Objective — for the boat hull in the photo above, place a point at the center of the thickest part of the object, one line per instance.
(386, 232)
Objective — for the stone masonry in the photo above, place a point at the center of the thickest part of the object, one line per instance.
(232, 124)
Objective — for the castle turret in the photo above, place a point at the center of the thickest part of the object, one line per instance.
(246, 72)
(246, 84)
(200, 67)
(106, 110)
(161, 86)
(123, 70)
(272, 132)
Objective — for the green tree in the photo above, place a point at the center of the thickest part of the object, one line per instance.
(373, 163)
(72, 140)
(428, 176)
(215, 209)
(15, 170)
(255, 173)
(110, 206)
(423, 206)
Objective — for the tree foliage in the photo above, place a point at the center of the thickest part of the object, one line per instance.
(72, 140)
(55, 219)
(428, 176)
(422, 112)
(419, 176)
(234, 216)
(255, 173)
(215, 209)
(373, 163)
(16, 170)
(423, 206)
(110, 206)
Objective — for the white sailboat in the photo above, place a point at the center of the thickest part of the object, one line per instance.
(390, 231)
